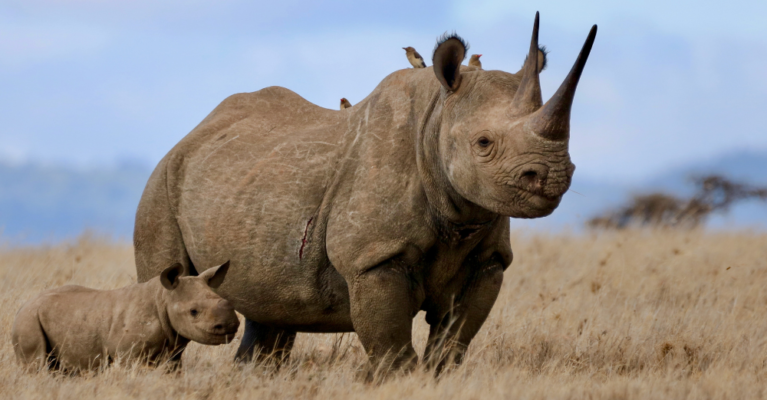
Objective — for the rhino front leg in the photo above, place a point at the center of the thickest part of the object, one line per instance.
(265, 343)
(382, 311)
(455, 323)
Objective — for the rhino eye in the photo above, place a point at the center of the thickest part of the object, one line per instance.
(194, 312)
(483, 142)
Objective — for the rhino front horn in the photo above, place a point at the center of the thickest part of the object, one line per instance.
(528, 97)
(552, 121)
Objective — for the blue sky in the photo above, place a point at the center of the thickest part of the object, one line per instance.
(90, 82)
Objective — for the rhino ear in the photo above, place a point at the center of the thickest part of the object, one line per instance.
(543, 58)
(448, 54)
(214, 277)
(170, 276)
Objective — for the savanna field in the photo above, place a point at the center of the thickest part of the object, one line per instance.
(626, 315)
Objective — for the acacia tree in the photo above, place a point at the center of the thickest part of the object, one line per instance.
(714, 194)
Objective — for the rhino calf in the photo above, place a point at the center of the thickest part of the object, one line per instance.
(73, 327)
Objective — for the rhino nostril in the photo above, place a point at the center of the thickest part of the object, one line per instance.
(218, 327)
(532, 178)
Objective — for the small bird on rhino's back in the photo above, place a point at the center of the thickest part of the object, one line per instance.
(415, 59)
(474, 61)
(345, 103)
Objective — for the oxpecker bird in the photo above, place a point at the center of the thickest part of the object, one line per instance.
(415, 59)
(474, 61)
(345, 103)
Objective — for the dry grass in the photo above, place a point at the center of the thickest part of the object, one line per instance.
(619, 315)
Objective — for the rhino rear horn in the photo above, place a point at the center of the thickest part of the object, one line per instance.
(528, 97)
(552, 121)
(449, 52)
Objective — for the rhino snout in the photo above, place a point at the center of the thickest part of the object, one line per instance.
(225, 320)
(228, 328)
(545, 181)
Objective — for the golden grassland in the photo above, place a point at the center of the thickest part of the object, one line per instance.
(643, 314)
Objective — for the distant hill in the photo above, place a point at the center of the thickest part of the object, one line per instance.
(49, 203)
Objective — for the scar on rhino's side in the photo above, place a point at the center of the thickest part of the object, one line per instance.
(303, 240)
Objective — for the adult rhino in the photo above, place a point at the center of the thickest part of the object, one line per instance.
(354, 220)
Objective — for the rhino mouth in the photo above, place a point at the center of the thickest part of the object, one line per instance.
(546, 197)
(217, 336)
(538, 203)
(228, 333)
(544, 200)
(220, 338)
(541, 194)
(537, 193)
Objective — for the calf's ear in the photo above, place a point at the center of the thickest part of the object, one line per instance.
(214, 277)
(448, 55)
(170, 276)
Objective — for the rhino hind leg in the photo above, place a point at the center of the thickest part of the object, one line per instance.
(264, 344)
(30, 343)
(157, 238)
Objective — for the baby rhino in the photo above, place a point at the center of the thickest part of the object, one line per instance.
(73, 327)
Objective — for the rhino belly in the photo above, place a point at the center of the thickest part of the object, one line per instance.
(261, 212)
(270, 282)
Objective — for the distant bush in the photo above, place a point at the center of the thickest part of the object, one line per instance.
(714, 194)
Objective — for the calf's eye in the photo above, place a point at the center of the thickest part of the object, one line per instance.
(194, 312)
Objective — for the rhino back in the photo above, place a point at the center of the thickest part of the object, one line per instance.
(76, 321)
(85, 325)
(244, 185)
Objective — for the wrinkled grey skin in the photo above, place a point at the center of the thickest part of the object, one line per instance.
(355, 220)
(75, 328)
